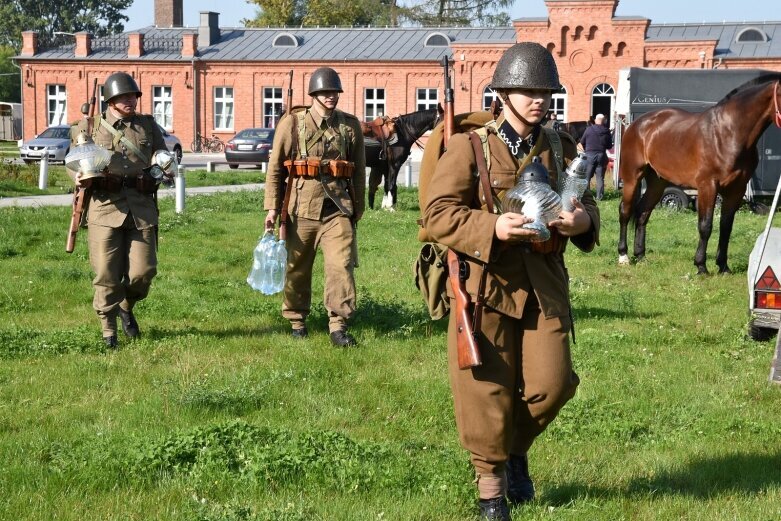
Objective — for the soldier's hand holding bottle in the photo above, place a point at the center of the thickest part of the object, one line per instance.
(271, 219)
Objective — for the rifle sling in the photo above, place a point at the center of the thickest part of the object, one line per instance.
(119, 137)
(483, 174)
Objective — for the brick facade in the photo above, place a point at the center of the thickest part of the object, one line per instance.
(590, 46)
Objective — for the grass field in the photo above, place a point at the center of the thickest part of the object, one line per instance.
(21, 180)
(216, 414)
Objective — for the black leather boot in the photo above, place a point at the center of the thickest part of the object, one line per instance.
(520, 488)
(129, 324)
(111, 341)
(341, 338)
(494, 509)
(300, 333)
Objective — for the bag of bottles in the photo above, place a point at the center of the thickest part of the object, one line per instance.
(269, 265)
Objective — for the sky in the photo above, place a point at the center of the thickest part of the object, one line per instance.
(141, 13)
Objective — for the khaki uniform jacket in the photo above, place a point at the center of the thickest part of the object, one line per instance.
(111, 209)
(308, 194)
(513, 271)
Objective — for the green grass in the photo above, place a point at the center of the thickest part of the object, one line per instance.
(22, 180)
(216, 414)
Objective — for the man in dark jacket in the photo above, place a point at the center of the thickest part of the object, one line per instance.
(596, 140)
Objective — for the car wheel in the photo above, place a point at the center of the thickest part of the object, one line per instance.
(178, 152)
(233, 166)
(760, 334)
(674, 198)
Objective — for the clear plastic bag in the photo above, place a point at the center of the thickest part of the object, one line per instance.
(256, 277)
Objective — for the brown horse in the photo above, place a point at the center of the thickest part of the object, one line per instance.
(714, 151)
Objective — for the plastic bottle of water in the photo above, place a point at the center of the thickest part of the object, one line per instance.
(573, 182)
(278, 267)
(255, 277)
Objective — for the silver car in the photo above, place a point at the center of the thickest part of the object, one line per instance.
(55, 140)
(172, 143)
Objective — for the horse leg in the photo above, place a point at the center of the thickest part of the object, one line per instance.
(390, 188)
(706, 200)
(624, 215)
(729, 206)
(374, 182)
(653, 193)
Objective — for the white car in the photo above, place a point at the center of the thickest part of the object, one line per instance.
(173, 143)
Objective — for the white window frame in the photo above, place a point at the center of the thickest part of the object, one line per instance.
(272, 106)
(163, 106)
(102, 105)
(373, 103)
(558, 104)
(223, 108)
(604, 90)
(488, 96)
(429, 99)
(56, 104)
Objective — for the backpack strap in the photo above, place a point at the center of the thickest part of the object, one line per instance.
(302, 148)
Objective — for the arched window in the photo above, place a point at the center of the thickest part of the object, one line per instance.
(621, 48)
(285, 40)
(592, 32)
(551, 47)
(578, 32)
(488, 96)
(437, 40)
(603, 98)
(606, 48)
(751, 35)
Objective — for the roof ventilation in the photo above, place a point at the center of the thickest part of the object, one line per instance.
(437, 40)
(752, 35)
(285, 40)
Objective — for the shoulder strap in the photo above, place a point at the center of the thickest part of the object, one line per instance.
(342, 122)
(482, 170)
(558, 151)
(301, 118)
(120, 138)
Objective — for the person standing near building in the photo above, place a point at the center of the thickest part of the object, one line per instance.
(596, 141)
(122, 214)
(526, 374)
(326, 202)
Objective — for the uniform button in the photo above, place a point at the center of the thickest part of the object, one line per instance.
(477, 253)
(496, 182)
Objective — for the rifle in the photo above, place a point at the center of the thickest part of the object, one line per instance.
(80, 193)
(283, 214)
(457, 268)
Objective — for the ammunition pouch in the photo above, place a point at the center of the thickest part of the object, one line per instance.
(556, 244)
(314, 167)
(144, 183)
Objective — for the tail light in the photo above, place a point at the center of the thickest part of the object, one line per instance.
(264, 145)
(768, 290)
(230, 145)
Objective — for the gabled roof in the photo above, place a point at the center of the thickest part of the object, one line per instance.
(315, 44)
(725, 34)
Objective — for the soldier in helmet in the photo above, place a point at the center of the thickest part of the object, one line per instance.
(122, 214)
(526, 374)
(319, 149)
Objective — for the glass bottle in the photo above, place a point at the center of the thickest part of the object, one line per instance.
(573, 182)
(533, 197)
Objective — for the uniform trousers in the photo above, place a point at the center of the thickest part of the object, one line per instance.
(124, 260)
(334, 235)
(526, 378)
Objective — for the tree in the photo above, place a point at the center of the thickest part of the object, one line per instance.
(311, 13)
(10, 79)
(98, 17)
(456, 12)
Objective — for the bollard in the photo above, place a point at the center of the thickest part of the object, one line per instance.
(43, 175)
(179, 184)
(264, 167)
(408, 173)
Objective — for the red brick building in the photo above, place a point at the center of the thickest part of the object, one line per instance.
(216, 80)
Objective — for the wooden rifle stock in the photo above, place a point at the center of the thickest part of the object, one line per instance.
(80, 193)
(283, 214)
(466, 343)
(466, 340)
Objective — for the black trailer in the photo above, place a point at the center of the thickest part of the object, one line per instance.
(695, 90)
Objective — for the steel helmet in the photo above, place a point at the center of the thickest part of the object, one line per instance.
(324, 79)
(526, 65)
(119, 83)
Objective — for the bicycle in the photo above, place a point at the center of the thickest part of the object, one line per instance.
(205, 144)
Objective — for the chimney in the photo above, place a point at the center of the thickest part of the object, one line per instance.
(83, 44)
(209, 30)
(189, 45)
(29, 43)
(135, 47)
(169, 13)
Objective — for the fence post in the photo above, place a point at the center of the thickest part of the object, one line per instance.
(408, 173)
(43, 175)
(179, 182)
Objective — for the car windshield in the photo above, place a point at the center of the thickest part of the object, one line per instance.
(56, 133)
(257, 133)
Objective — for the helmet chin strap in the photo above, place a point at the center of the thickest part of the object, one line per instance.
(322, 109)
(509, 105)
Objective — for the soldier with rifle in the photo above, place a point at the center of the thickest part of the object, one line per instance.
(315, 186)
(516, 288)
(121, 204)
